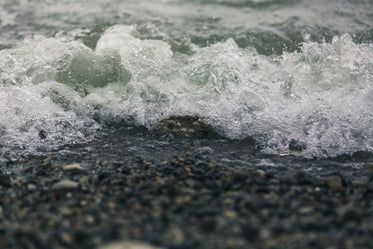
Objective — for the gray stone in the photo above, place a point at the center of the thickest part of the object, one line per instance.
(65, 185)
(205, 150)
(74, 168)
(260, 173)
(335, 183)
(128, 245)
(31, 187)
(185, 126)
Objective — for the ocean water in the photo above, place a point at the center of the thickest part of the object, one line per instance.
(295, 75)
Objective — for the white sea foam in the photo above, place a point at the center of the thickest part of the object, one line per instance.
(317, 101)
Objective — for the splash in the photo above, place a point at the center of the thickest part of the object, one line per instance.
(316, 102)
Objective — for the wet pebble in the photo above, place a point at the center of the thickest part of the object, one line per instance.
(171, 196)
(4, 180)
(65, 185)
(31, 187)
(73, 168)
(128, 245)
(204, 150)
(334, 183)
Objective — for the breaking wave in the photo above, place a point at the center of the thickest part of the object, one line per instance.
(317, 102)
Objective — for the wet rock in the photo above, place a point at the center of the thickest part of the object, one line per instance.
(307, 210)
(213, 164)
(73, 168)
(241, 176)
(174, 236)
(185, 126)
(334, 183)
(65, 185)
(301, 177)
(230, 214)
(369, 168)
(274, 182)
(42, 134)
(202, 164)
(235, 243)
(89, 219)
(4, 180)
(350, 213)
(265, 234)
(260, 174)
(31, 187)
(205, 150)
(66, 239)
(358, 183)
(128, 245)
(295, 145)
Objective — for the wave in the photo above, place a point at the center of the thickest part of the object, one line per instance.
(316, 102)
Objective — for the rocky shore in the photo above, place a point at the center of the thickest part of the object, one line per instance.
(133, 189)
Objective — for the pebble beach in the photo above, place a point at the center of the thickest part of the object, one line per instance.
(186, 124)
(135, 189)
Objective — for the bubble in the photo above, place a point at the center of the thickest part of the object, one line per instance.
(316, 102)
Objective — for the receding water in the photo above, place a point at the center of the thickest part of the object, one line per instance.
(297, 76)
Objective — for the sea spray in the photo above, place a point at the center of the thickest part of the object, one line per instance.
(315, 102)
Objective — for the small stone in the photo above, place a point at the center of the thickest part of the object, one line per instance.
(358, 183)
(350, 212)
(241, 176)
(369, 168)
(183, 200)
(66, 239)
(213, 164)
(201, 164)
(174, 236)
(4, 180)
(31, 187)
(234, 243)
(89, 219)
(205, 150)
(128, 245)
(274, 182)
(170, 122)
(111, 204)
(264, 234)
(335, 183)
(42, 134)
(260, 173)
(74, 168)
(301, 178)
(230, 214)
(228, 202)
(47, 160)
(184, 126)
(306, 210)
(65, 185)
(118, 163)
(187, 169)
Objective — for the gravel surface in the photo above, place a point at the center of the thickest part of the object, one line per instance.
(135, 189)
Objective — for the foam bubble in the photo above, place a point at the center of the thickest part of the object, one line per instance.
(316, 102)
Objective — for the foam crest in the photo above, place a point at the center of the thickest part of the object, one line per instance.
(316, 102)
(143, 58)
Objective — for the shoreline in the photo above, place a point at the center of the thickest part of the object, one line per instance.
(184, 193)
